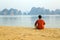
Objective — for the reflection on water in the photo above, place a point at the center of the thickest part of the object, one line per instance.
(28, 21)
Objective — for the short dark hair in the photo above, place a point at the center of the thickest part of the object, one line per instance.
(39, 16)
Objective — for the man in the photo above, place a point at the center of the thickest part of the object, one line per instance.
(39, 24)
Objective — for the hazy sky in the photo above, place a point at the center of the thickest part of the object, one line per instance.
(26, 5)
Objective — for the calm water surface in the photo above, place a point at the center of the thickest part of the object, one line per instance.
(28, 21)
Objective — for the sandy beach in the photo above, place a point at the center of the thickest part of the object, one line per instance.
(20, 33)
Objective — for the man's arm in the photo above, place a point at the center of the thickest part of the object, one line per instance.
(35, 23)
(43, 22)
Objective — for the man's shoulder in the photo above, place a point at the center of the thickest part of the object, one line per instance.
(42, 20)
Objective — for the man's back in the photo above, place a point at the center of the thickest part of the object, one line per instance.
(40, 24)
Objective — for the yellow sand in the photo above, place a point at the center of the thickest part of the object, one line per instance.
(19, 33)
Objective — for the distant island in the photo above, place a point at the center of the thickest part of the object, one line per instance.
(33, 11)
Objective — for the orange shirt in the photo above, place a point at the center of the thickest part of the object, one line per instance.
(40, 24)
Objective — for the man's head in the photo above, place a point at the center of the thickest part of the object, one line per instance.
(39, 16)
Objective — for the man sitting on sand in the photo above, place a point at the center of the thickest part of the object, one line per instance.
(39, 24)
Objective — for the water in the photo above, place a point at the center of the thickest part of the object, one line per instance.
(52, 21)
